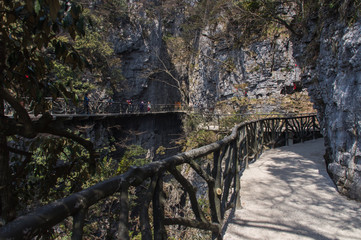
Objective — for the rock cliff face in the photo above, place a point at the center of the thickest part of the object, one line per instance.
(327, 55)
(138, 43)
(258, 71)
(158, 65)
(330, 54)
(216, 69)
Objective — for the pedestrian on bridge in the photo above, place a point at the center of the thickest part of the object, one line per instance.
(149, 106)
(141, 106)
(86, 103)
(109, 104)
(129, 106)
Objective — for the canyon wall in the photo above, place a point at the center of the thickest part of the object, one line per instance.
(255, 72)
(158, 64)
(324, 58)
(330, 55)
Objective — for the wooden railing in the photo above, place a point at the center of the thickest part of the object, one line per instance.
(219, 165)
(62, 106)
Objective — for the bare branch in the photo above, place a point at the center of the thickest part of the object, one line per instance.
(21, 111)
(88, 145)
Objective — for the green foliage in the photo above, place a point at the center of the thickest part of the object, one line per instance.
(135, 235)
(199, 138)
(98, 52)
(111, 11)
(229, 65)
(253, 19)
(28, 29)
(42, 55)
(230, 121)
(71, 80)
(161, 150)
(133, 156)
(249, 5)
(204, 204)
(59, 166)
(191, 123)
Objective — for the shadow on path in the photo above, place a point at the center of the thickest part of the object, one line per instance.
(287, 194)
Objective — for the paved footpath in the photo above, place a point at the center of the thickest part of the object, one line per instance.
(287, 194)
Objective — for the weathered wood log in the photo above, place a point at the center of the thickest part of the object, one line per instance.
(78, 224)
(201, 172)
(188, 187)
(214, 227)
(229, 178)
(158, 210)
(123, 228)
(145, 227)
(233, 153)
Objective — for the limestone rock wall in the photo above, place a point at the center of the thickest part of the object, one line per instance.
(139, 45)
(330, 55)
(217, 69)
(223, 70)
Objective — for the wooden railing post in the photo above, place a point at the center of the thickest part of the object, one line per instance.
(215, 192)
(234, 151)
(236, 169)
(247, 147)
(228, 175)
(78, 224)
(144, 216)
(158, 210)
(261, 132)
(273, 134)
(302, 131)
(192, 193)
(256, 139)
(286, 132)
(313, 127)
(123, 229)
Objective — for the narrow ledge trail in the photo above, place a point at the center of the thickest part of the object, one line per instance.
(287, 194)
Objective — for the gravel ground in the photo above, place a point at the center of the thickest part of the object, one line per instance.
(287, 194)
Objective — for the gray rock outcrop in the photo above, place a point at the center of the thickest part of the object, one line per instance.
(258, 71)
(216, 69)
(330, 53)
(139, 45)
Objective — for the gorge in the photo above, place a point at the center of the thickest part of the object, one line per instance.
(220, 57)
(215, 59)
(229, 60)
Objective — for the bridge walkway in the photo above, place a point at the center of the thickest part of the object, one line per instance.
(287, 194)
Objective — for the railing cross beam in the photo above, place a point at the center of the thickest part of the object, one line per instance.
(230, 158)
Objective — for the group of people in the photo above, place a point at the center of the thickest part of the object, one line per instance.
(129, 106)
(143, 106)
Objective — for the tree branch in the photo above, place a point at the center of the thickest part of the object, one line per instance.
(209, 179)
(88, 145)
(188, 187)
(10, 127)
(24, 117)
(214, 227)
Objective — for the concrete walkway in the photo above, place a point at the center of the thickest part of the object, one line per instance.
(287, 194)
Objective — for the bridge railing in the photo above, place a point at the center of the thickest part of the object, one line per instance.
(62, 106)
(218, 165)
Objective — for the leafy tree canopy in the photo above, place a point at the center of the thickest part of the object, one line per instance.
(34, 36)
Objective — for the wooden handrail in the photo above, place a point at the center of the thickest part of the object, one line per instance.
(66, 107)
(230, 157)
